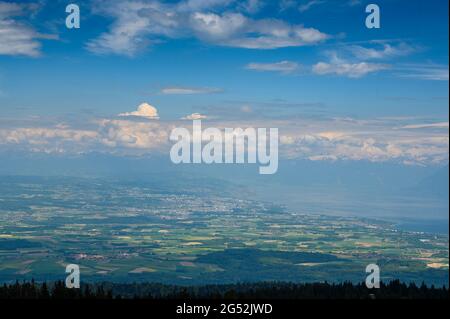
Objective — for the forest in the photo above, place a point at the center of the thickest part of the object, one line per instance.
(241, 291)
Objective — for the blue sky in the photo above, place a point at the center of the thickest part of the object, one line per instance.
(311, 67)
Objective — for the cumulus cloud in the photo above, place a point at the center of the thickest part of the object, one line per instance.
(282, 67)
(132, 135)
(49, 139)
(195, 116)
(144, 110)
(140, 24)
(422, 151)
(178, 90)
(108, 135)
(374, 140)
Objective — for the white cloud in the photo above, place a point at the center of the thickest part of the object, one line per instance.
(217, 27)
(282, 66)
(351, 70)
(427, 125)
(139, 24)
(16, 38)
(306, 6)
(41, 135)
(287, 140)
(10, 8)
(387, 51)
(341, 67)
(400, 140)
(195, 116)
(128, 33)
(144, 110)
(49, 139)
(144, 136)
(428, 72)
(177, 90)
(112, 136)
(273, 34)
(369, 140)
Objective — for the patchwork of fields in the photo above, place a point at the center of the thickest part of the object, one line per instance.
(143, 232)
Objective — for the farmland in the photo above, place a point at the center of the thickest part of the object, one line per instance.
(126, 232)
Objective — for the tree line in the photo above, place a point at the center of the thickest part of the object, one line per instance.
(261, 290)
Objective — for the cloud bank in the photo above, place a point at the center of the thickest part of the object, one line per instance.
(406, 141)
